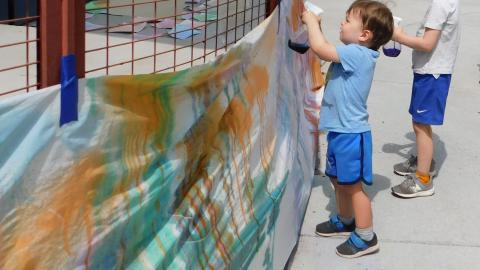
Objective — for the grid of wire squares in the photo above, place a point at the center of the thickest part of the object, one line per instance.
(122, 37)
(145, 36)
(18, 38)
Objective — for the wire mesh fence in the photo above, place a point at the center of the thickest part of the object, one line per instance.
(18, 46)
(117, 36)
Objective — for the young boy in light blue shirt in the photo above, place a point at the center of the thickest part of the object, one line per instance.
(367, 26)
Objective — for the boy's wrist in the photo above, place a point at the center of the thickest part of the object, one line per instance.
(399, 37)
(313, 23)
(310, 20)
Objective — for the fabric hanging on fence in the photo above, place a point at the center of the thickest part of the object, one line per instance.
(209, 167)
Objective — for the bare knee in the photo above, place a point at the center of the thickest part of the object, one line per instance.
(422, 128)
(334, 182)
(351, 189)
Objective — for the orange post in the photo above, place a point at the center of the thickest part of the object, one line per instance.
(270, 6)
(62, 32)
(73, 32)
(49, 49)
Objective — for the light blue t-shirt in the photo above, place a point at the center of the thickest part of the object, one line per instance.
(344, 105)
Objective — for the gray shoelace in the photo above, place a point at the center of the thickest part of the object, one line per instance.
(409, 181)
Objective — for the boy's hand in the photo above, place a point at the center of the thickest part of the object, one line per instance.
(309, 17)
(397, 33)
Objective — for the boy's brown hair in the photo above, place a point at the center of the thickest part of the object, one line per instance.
(377, 18)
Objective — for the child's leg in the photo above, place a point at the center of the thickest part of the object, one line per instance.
(419, 184)
(343, 222)
(343, 200)
(363, 240)
(316, 150)
(423, 134)
(360, 203)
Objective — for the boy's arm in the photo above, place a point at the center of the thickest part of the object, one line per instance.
(427, 43)
(318, 43)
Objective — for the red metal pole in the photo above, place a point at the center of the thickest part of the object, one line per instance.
(79, 9)
(49, 46)
(270, 6)
(61, 32)
(73, 32)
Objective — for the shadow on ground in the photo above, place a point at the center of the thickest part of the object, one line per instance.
(380, 183)
(406, 150)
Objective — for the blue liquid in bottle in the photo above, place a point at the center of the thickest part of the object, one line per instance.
(392, 49)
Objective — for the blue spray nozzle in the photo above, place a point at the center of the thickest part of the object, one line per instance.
(300, 48)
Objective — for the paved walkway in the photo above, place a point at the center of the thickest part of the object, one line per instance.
(439, 232)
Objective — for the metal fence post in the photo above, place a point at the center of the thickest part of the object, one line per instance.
(49, 47)
(73, 32)
(270, 6)
(61, 32)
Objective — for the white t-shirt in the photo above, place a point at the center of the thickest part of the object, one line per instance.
(441, 15)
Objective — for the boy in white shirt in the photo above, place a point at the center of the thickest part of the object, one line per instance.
(434, 52)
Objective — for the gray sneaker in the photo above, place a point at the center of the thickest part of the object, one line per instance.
(355, 246)
(411, 187)
(410, 167)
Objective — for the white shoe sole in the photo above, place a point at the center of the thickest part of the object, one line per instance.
(425, 193)
(333, 234)
(401, 173)
(360, 253)
(432, 174)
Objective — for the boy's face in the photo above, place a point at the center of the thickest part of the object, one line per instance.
(351, 29)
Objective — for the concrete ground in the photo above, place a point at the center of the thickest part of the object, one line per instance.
(438, 232)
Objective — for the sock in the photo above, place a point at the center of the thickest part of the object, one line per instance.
(424, 178)
(366, 234)
(346, 221)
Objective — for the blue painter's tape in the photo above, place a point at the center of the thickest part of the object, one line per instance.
(69, 90)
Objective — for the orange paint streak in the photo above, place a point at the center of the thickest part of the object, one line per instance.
(318, 78)
(121, 256)
(218, 240)
(157, 205)
(142, 257)
(226, 189)
(67, 215)
(199, 147)
(238, 178)
(191, 203)
(295, 14)
(197, 207)
(214, 212)
(3, 248)
(210, 79)
(255, 89)
(204, 141)
(142, 114)
(256, 85)
(236, 120)
(160, 245)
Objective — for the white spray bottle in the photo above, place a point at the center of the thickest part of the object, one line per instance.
(299, 41)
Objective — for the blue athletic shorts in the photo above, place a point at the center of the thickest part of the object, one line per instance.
(349, 157)
(429, 97)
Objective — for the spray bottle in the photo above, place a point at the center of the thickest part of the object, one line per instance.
(393, 48)
(299, 41)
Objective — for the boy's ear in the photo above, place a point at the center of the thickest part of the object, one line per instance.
(366, 36)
